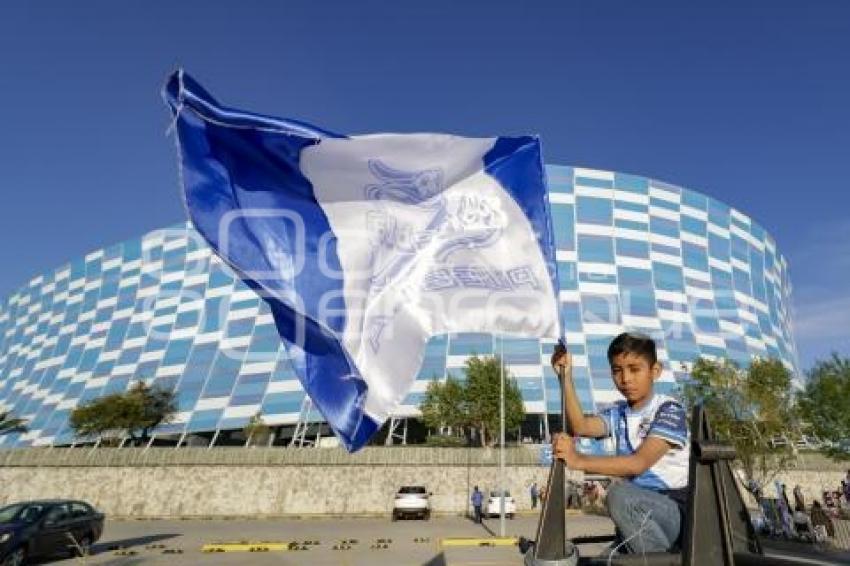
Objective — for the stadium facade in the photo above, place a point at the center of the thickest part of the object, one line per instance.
(633, 253)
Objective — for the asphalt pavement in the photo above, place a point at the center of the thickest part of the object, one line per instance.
(409, 542)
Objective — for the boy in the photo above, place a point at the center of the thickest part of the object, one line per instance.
(652, 440)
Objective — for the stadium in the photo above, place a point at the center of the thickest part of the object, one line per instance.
(633, 253)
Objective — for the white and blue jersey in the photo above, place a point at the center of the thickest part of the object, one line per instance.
(662, 417)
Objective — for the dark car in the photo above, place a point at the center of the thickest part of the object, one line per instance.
(46, 528)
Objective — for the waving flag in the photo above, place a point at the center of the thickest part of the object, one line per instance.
(365, 246)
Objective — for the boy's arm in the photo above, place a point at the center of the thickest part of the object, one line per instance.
(577, 423)
(650, 451)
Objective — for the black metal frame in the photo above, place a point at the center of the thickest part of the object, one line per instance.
(717, 529)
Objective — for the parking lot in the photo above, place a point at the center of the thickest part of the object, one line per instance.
(126, 543)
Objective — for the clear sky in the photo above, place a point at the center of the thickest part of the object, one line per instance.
(748, 102)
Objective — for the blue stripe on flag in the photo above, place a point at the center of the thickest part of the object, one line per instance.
(517, 164)
(234, 162)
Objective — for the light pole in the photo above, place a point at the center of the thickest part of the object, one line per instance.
(502, 436)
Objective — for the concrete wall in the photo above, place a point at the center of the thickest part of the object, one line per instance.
(274, 490)
(215, 491)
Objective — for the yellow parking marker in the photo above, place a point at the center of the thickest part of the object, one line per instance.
(472, 541)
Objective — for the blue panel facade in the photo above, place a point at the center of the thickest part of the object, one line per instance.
(633, 254)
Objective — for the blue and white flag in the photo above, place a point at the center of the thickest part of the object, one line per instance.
(365, 246)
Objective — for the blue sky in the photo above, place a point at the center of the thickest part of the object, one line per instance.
(746, 101)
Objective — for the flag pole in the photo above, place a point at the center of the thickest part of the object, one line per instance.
(502, 435)
(552, 547)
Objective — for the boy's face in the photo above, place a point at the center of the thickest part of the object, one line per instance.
(633, 375)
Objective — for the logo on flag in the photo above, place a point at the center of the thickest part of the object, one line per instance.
(366, 246)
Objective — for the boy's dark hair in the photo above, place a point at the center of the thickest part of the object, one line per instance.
(633, 343)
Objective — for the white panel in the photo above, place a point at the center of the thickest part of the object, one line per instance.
(635, 262)
(663, 194)
(630, 321)
(284, 386)
(242, 295)
(672, 296)
(694, 239)
(195, 305)
(131, 265)
(100, 326)
(693, 212)
(562, 198)
(147, 291)
(599, 328)
(258, 367)
(151, 356)
(241, 411)
(664, 213)
(170, 276)
(674, 316)
(594, 229)
(126, 369)
(741, 217)
(718, 231)
(664, 240)
(597, 288)
(234, 342)
(167, 371)
(696, 274)
(219, 291)
(701, 293)
(134, 342)
(241, 314)
(632, 215)
(666, 258)
(212, 403)
(598, 268)
(208, 337)
(593, 174)
(109, 356)
(525, 370)
(195, 279)
(596, 192)
(628, 196)
(94, 255)
(123, 313)
(182, 333)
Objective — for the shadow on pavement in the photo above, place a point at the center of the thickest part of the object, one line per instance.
(130, 542)
(439, 560)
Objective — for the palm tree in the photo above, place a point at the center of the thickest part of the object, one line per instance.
(9, 424)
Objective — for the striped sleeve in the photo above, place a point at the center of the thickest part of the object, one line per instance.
(670, 424)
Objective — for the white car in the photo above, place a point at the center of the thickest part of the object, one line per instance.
(493, 508)
(412, 501)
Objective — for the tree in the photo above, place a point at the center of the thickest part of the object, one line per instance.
(134, 413)
(752, 409)
(149, 408)
(444, 405)
(256, 431)
(825, 403)
(10, 424)
(483, 376)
